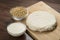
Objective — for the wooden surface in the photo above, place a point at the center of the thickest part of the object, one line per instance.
(53, 35)
(5, 19)
(7, 4)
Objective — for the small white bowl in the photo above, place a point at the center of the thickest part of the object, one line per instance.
(16, 29)
(20, 18)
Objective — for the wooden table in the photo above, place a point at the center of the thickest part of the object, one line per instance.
(6, 19)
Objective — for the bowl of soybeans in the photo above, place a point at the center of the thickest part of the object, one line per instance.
(18, 13)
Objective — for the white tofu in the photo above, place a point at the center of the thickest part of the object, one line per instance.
(16, 29)
(41, 21)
